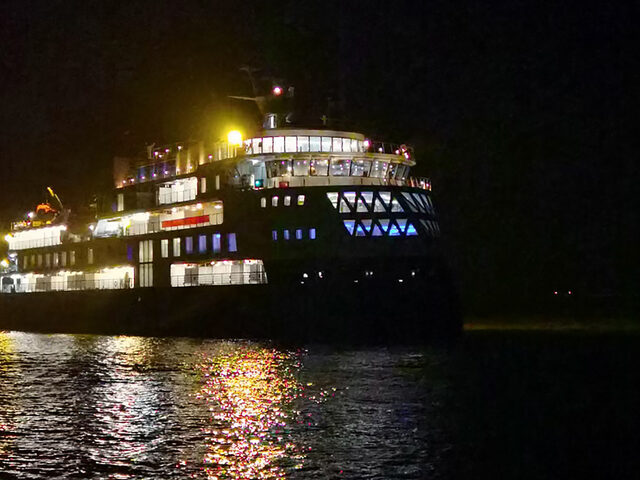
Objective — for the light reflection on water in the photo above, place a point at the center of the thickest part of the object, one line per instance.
(82, 406)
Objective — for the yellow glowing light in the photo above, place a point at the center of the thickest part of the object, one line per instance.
(8, 237)
(4, 263)
(234, 137)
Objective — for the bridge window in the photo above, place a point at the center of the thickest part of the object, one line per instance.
(290, 144)
(314, 144)
(340, 167)
(303, 144)
(320, 167)
(326, 144)
(278, 144)
(301, 168)
(337, 144)
(360, 167)
(267, 145)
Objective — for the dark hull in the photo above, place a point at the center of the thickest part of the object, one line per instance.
(413, 311)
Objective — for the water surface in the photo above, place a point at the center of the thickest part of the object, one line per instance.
(500, 404)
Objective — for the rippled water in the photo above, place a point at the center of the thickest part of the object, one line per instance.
(79, 406)
(499, 405)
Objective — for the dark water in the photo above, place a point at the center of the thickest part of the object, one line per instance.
(498, 405)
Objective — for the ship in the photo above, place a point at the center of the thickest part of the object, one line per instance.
(303, 233)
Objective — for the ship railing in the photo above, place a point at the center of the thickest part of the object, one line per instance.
(68, 284)
(320, 181)
(177, 197)
(420, 182)
(255, 277)
(391, 148)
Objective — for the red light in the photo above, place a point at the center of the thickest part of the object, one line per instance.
(569, 292)
(277, 91)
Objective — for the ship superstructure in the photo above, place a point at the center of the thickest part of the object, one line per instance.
(287, 206)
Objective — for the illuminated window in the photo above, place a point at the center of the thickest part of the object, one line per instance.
(360, 167)
(360, 231)
(393, 230)
(203, 184)
(354, 145)
(303, 144)
(349, 225)
(263, 202)
(411, 230)
(56, 259)
(274, 235)
(287, 201)
(301, 168)
(202, 243)
(347, 202)
(337, 144)
(146, 275)
(145, 251)
(278, 144)
(326, 144)
(386, 199)
(120, 202)
(164, 248)
(379, 169)
(290, 144)
(216, 242)
(314, 144)
(231, 241)
(299, 234)
(188, 245)
(72, 257)
(333, 198)
(300, 200)
(274, 201)
(366, 223)
(256, 146)
(63, 259)
(39, 260)
(267, 145)
(346, 144)
(33, 261)
(384, 224)
(89, 256)
(319, 167)
(402, 223)
(376, 231)
(395, 206)
(176, 247)
(47, 260)
(25, 261)
(340, 167)
(285, 234)
(361, 207)
(312, 233)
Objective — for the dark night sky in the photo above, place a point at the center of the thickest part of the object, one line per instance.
(519, 110)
